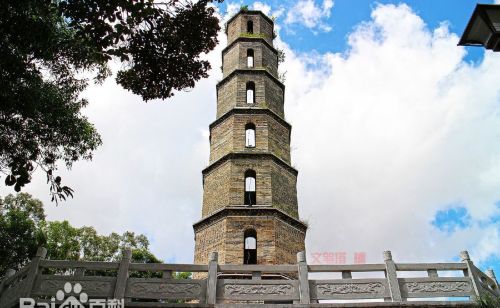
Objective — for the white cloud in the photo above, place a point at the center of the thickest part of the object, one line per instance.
(259, 6)
(232, 9)
(384, 135)
(391, 131)
(327, 6)
(310, 15)
(266, 9)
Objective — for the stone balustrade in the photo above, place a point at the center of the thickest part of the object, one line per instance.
(152, 285)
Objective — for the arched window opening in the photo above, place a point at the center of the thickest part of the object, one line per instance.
(250, 249)
(250, 57)
(250, 93)
(250, 194)
(250, 135)
(250, 26)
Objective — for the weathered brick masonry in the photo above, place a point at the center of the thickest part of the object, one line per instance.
(231, 91)
(273, 215)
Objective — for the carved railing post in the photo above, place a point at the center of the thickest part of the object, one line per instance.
(346, 275)
(470, 272)
(432, 273)
(121, 278)
(256, 275)
(79, 272)
(41, 253)
(167, 275)
(212, 279)
(305, 297)
(392, 277)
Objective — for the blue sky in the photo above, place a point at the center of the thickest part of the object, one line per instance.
(349, 13)
(455, 217)
(451, 219)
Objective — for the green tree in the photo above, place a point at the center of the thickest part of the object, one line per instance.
(65, 242)
(62, 240)
(182, 275)
(46, 46)
(20, 234)
(23, 229)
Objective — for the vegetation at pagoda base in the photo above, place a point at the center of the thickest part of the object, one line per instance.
(23, 229)
(51, 49)
(488, 301)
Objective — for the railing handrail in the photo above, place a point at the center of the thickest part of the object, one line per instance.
(250, 268)
(457, 266)
(179, 267)
(346, 267)
(168, 267)
(93, 265)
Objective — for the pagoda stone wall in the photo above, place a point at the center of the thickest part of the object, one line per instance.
(262, 27)
(209, 239)
(229, 136)
(276, 186)
(273, 214)
(235, 56)
(231, 92)
(278, 240)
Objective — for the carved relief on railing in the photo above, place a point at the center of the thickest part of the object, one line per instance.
(187, 289)
(166, 289)
(97, 286)
(433, 287)
(426, 287)
(350, 288)
(258, 289)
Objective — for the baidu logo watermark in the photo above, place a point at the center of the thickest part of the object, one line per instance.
(67, 300)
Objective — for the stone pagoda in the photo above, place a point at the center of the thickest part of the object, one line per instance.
(250, 211)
